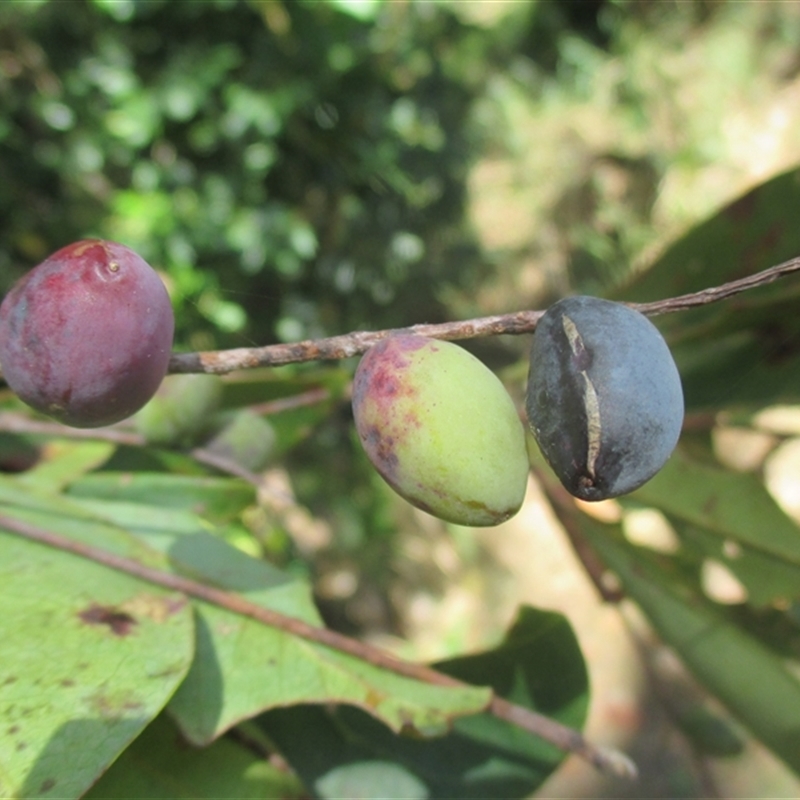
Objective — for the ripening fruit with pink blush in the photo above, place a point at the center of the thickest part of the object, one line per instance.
(86, 336)
(440, 428)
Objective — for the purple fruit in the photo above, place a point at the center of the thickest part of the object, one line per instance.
(86, 336)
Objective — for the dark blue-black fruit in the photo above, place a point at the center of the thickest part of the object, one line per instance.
(604, 397)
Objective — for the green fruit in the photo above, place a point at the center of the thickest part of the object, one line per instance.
(441, 429)
(246, 439)
(181, 410)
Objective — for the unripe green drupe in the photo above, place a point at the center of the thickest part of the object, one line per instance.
(181, 410)
(441, 429)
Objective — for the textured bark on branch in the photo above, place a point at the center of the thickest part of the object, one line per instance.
(352, 344)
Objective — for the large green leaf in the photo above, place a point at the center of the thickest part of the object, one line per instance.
(745, 351)
(89, 656)
(539, 666)
(754, 232)
(243, 667)
(746, 369)
(769, 580)
(160, 765)
(734, 506)
(748, 677)
(732, 518)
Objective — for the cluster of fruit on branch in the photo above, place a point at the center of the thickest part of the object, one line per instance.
(86, 338)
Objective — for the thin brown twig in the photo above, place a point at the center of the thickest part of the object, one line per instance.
(606, 760)
(716, 293)
(308, 398)
(18, 423)
(518, 322)
(335, 348)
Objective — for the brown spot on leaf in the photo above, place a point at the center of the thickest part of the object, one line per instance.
(711, 504)
(476, 505)
(113, 705)
(374, 698)
(47, 785)
(119, 622)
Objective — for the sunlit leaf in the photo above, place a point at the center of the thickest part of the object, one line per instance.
(89, 657)
(538, 665)
(734, 506)
(243, 667)
(752, 681)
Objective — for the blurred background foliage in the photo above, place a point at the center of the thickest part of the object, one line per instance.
(302, 168)
(295, 169)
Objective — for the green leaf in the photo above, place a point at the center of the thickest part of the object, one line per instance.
(364, 780)
(243, 667)
(769, 580)
(746, 369)
(54, 512)
(161, 765)
(64, 461)
(90, 656)
(750, 679)
(218, 499)
(743, 352)
(754, 232)
(734, 506)
(538, 665)
(709, 733)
